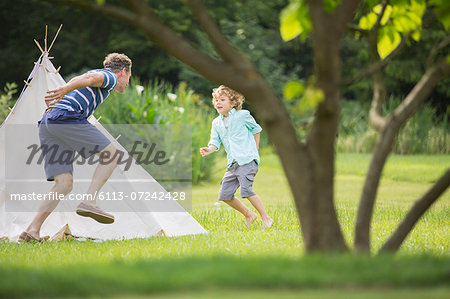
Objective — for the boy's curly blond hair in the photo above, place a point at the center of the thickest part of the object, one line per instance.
(233, 95)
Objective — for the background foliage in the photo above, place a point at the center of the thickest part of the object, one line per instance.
(251, 25)
(160, 104)
(254, 28)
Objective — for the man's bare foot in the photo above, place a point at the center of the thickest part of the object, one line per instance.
(250, 217)
(29, 238)
(267, 222)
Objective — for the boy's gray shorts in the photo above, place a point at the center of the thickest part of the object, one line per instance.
(238, 175)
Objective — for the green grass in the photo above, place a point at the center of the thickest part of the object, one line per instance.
(222, 272)
(348, 293)
(236, 260)
(417, 168)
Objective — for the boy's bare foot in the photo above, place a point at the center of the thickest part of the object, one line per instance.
(267, 222)
(250, 217)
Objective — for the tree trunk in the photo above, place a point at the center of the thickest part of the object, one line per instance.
(419, 208)
(383, 147)
(326, 34)
(370, 188)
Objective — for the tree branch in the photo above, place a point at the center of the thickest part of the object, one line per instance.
(436, 50)
(372, 35)
(379, 90)
(377, 120)
(209, 26)
(377, 66)
(419, 208)
(105, 9)
(356, 28)
(143, 18)
(377, 24)
(421, 90)
(345, 12)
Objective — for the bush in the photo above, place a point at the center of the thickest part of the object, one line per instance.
(423, 133)
(160, 103)
(6, 100)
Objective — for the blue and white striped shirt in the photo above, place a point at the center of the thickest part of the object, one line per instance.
(87, 99)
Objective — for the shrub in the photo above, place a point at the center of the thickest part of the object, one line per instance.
(6, 100)
(160, 103)
(423, 133)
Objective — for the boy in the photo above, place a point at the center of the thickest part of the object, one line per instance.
(239, 133)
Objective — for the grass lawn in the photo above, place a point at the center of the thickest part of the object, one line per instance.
(233, 260)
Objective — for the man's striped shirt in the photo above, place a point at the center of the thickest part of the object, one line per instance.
(87, 99)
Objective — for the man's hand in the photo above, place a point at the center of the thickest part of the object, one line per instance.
(205, 151)
(55, 95)
(89, 79)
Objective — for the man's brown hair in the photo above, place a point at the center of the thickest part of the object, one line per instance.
(116, 62)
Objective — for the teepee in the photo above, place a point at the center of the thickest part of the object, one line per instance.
(132, 219)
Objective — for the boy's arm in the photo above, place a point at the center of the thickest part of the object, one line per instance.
(95, 79)
(215, 139)
(213, 144)
(256, 136)
(250, 123)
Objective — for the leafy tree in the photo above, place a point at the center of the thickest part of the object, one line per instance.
(309, 165)
(388, 26)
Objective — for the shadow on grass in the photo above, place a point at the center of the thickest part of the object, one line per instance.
(200, 274)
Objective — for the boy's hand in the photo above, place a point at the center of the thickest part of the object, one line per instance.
(205, 151)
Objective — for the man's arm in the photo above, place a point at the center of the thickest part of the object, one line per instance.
(91, 79)
(256, 136)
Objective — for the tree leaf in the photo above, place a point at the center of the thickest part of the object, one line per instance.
(368, 21)
(372, 3)
(442, 11)
(416, 35)
(403, 23)
(388, 40)
(386, 15)
(312, 98)
(418, 7)
(295, 21)
(400, 2)
(290, 26)
(293, 89)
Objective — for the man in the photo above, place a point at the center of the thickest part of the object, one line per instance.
(65, 127)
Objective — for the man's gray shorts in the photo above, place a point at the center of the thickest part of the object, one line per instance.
(238, 175)
(62, 133)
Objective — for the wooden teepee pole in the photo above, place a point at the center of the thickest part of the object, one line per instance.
(51, 45)
(45, 39)
(39, 46)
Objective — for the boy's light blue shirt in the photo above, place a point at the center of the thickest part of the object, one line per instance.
(238, 138)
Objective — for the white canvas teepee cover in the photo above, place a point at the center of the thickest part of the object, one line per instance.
(137, 222)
